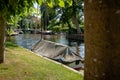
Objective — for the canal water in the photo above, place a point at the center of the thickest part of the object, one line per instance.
(28, 40)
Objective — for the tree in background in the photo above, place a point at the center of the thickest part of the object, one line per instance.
(7, 9)
(44, 8)
(11, 23)
(31, 19)
(71, 15)
(102, 41)
(76, 9)
(11, 8)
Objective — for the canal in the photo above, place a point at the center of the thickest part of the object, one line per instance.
(28, 40)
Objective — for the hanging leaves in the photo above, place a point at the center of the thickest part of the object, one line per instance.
(40, 1)
(69, 2)
(56, 2)
(61, 3)
(50, 4)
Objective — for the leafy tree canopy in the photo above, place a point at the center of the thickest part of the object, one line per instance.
(12, 7)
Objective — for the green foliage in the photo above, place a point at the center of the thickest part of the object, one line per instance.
(9, 31)
(55, 12)
(40, 2)
(50, 4)
(13, 20)
(61, 3)
(52, 8)
(69, 2)
(13, 7)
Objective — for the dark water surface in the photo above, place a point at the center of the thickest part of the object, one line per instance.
(28, 40)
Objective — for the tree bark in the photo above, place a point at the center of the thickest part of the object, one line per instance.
(69, 32)
(74, 18)
(2, 32)
(75, 21)
(102, 39)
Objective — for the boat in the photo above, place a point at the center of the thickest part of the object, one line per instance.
(47, 32)
(58, 52)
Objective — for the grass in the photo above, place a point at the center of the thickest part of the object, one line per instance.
(20, 64)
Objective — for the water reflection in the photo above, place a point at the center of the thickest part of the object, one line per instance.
(28, 40)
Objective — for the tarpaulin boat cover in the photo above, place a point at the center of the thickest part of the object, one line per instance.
(55, 51)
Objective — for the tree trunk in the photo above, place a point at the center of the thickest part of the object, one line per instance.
(70, 29)
(2, 32)
(74, 18)
(102, 39)
(75, 21)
